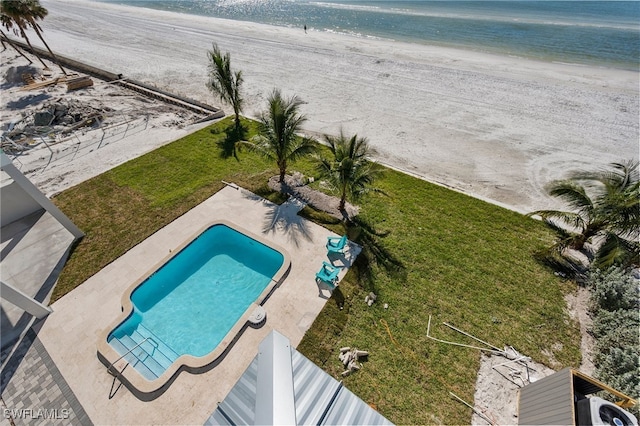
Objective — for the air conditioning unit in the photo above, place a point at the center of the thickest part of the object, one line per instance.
(596, 411)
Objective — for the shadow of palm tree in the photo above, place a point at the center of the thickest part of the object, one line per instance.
(285, 217)
(556, 257)
(271, 195)
(227, 145)
(373, 253)
(338, 297)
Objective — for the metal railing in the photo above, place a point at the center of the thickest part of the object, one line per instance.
(127, 353)
(80, 142)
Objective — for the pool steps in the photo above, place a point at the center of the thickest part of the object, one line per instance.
(151, 358)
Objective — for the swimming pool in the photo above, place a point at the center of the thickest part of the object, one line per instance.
(189, 309)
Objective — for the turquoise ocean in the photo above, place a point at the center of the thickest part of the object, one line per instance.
(600, 33)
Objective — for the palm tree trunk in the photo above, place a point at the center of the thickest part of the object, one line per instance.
(343, 202)
(24, 36)
(17, 49)
(343, 197)
(237, 122)
(35, 27)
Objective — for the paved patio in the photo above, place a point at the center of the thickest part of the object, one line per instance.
(33, 251)
(70, 333)
(33, 390)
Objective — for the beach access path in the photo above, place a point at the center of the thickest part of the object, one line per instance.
(495, 127)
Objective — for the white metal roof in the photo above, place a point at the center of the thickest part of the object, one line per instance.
(318, 398)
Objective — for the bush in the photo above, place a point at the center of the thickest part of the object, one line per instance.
(613, 289)
(617, 328)
(619, 368)
(615, 301)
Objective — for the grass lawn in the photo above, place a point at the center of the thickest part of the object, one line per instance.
(454, 257)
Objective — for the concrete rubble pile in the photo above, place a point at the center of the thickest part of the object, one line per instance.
(53, 121)
(350, 358)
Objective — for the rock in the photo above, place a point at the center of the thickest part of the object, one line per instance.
(42, 118)
(353, 365)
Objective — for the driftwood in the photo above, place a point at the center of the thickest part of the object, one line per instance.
(42, 84)
(79, 83)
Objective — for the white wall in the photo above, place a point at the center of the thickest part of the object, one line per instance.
(15, 203)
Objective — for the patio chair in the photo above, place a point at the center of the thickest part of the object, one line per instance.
(336, 245)
(328, 274)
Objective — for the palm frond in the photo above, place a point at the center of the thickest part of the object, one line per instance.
(278, 129)
(573, 194)
(349, 171)
(223, 81)
(260, 145)
(605, 203)
(616, 251)
(574, 220)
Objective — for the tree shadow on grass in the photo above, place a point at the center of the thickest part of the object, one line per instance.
(338, 297)
(274, 196)
(558, 257)
(373, 253)
(227, 145)
(366, 236)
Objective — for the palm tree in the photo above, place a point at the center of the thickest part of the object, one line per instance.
(11, 18)
(606, 205)
(277, 139)
(23, 14)
(350, 171)
(224, 82)
(4, 38)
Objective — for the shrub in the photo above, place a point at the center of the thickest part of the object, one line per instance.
(613, 289)
(617, 328)
(614, 302)
(619, 368)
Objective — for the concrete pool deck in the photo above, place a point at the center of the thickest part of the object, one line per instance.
(70, 334)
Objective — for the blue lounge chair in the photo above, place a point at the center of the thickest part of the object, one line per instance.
(328, 274)
(336, 245)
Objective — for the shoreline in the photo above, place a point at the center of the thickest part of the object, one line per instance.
(383, 34)
(494, 127)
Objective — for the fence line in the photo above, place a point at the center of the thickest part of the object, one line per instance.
(77, 144)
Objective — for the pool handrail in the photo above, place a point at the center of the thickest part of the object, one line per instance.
(127, 353)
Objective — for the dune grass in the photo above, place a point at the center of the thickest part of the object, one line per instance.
(429, 251)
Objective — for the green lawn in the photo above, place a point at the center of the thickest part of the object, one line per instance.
(456, 258)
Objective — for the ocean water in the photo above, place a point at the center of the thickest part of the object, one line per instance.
(602, 33)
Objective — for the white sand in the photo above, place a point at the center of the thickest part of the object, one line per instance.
(492, 126)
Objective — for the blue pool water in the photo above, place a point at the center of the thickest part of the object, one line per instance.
(190, 303)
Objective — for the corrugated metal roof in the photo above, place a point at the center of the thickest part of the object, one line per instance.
(319, 398)
(549, 401)
(239, 405)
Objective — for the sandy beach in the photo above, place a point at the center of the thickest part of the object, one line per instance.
(495, 127)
